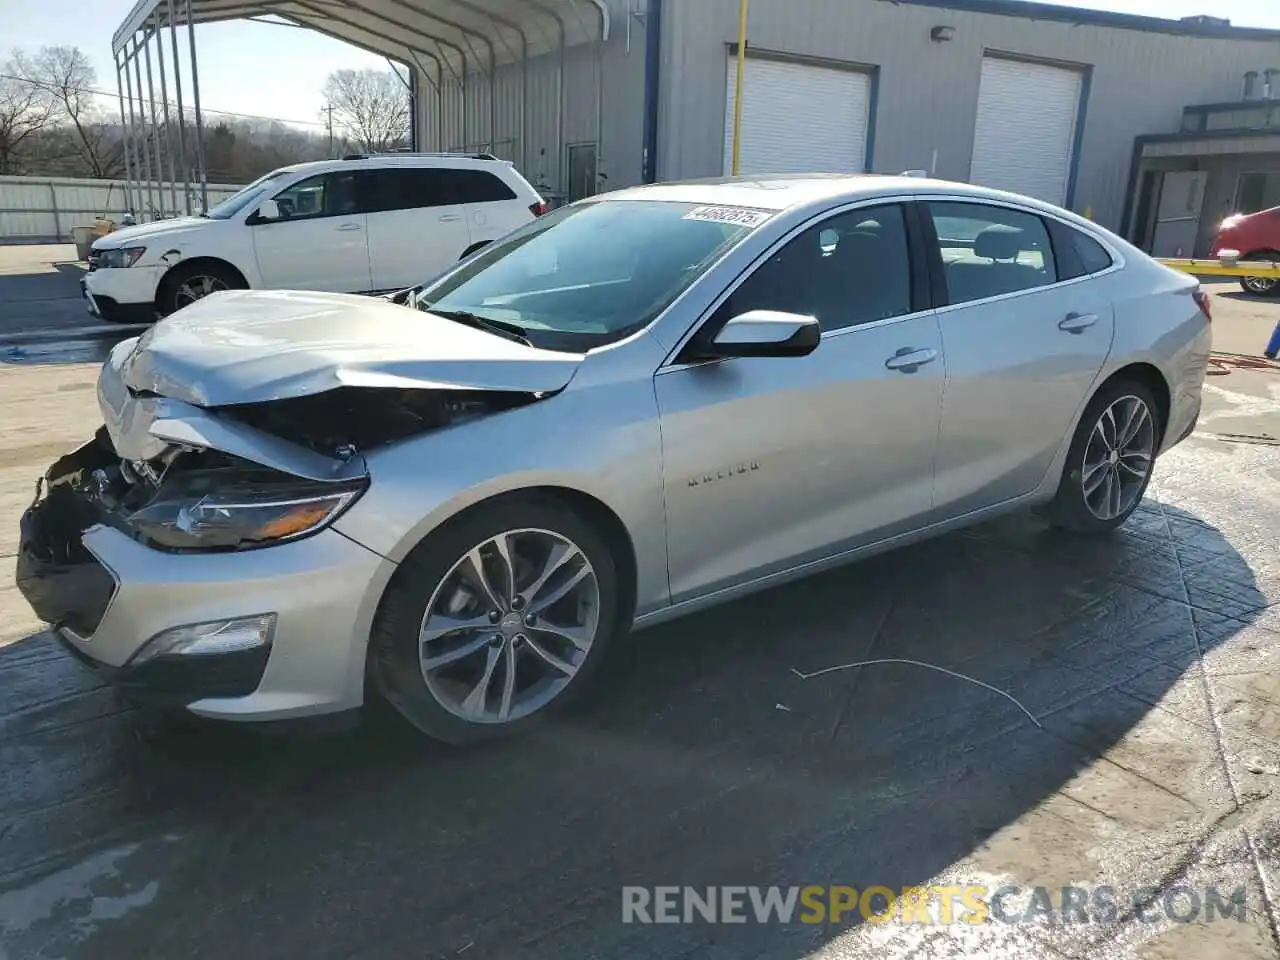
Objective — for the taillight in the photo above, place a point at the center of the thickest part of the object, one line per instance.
(1204, 303)
(539, 208)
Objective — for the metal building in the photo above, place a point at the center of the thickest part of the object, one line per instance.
(586, 95)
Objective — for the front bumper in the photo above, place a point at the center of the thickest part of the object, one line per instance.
(122, 295)
(107, 595)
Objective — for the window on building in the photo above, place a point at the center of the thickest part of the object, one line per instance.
(989, 251)
(850, 269)
(1257, 191)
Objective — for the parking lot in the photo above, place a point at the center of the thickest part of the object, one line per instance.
(1136, 745)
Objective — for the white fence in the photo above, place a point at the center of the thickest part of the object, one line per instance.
(44, 209)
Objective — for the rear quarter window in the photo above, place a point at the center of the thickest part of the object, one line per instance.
(1093, 256)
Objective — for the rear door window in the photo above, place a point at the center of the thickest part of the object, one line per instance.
(416, 188)
(989, 251)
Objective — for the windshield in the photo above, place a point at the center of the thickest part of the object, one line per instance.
(591, 274)
(229, 207)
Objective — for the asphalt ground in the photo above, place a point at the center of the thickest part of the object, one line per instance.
(1139, 752)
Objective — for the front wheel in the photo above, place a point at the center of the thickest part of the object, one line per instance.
(187, 283)
(1110, 461)
(494, 621)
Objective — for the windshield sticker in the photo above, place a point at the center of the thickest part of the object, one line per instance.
(740, 216)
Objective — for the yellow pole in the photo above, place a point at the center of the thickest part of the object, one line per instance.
(737, 96)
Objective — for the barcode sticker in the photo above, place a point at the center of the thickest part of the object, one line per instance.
(740, 216)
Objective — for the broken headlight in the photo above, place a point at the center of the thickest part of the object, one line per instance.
(240, 515)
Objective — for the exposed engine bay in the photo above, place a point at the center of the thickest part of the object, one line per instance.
(192, 496)
(342, 422)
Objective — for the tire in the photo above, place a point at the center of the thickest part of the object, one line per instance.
(441, 701)
(189, 278)
(1260, 286)
(1078, 505)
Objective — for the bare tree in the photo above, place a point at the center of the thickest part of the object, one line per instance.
(370, 106)
(68, 78)
(25, 109)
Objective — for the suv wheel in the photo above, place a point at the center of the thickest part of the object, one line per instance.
(494, 621)
(187, 283)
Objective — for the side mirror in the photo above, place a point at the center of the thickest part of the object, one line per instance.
(268, 210)
(766, 333)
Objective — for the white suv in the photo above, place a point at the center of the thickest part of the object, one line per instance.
(358, 225)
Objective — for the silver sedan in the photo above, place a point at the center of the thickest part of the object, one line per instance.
(663, 398)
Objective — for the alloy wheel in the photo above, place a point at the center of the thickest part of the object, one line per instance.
(1260, 285)
(194, 288)
(508, 627)
(1118, 458)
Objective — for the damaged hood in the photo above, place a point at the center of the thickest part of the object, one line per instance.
(252, 346)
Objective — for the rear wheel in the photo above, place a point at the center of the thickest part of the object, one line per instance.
(1110, 461)
(496, 620)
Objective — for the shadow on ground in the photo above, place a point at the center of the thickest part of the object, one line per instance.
(700, 759)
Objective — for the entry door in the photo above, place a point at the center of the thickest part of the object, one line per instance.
(1023, 350)
(1178, 214)
(318, 242)
(772, 462)
(582, 171)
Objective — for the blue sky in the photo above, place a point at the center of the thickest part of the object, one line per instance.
(253, 68)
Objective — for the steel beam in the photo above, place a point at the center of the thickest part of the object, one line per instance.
(182, 116)
(142, 117)
(168, 127)
(195, 95)
(126, 127)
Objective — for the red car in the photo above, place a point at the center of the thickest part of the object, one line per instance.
(1252, 236)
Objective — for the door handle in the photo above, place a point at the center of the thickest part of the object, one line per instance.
(1077, 322)
(911, 359)
(450, 217)
(348, 227)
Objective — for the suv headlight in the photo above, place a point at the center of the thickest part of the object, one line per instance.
(116, 258)
(241, 515)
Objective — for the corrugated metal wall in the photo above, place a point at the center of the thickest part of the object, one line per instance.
(537, 148)
(927, 96)
(46, 208)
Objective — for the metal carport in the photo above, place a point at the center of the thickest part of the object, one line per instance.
(462, 55)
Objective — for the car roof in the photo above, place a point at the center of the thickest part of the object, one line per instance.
(783, 192)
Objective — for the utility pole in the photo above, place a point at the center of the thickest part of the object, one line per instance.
(328, 110)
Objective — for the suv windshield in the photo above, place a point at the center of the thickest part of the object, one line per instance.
(229, 207)
(590, 274)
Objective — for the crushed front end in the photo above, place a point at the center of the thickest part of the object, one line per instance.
(188, 553)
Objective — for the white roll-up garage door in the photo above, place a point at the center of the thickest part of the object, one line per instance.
(798, 118)
(1026, 128)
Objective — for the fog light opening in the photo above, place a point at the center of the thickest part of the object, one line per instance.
(210, 639)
